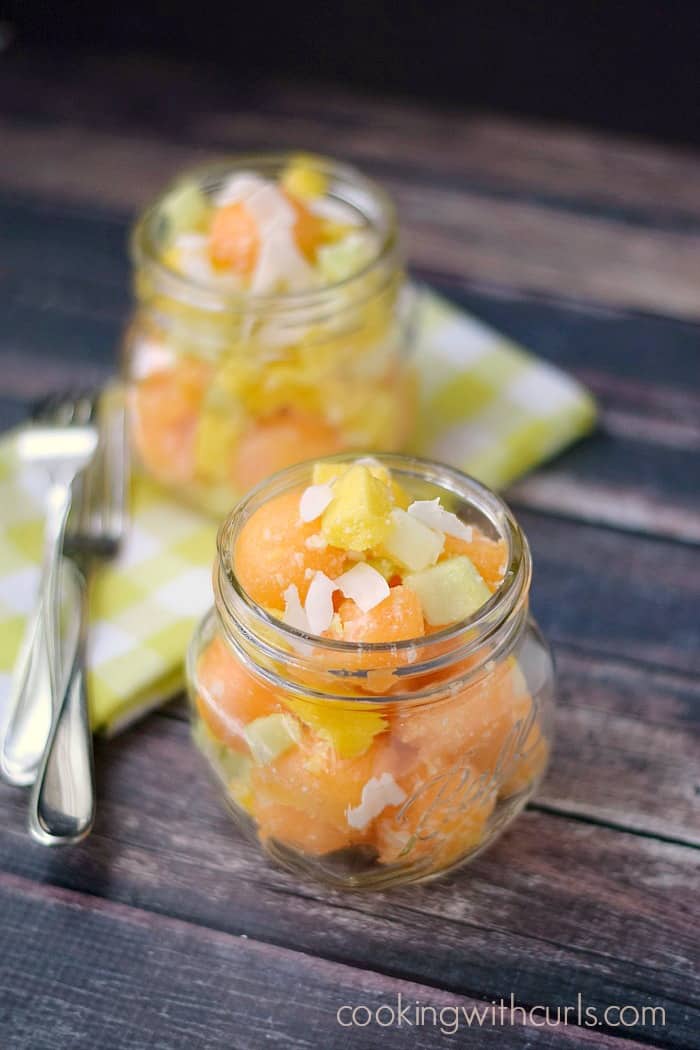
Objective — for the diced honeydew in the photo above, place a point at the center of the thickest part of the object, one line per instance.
(270, 736)
(319, 603)
(185, 210)
(348, 256)
(364, 585)
(450, 591)
(412, 544)
(432, 514)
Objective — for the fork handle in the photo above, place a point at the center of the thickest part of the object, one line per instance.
(62, 802)
(36, 679)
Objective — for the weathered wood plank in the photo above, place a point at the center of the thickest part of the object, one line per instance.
(597, 589)
(139, 980)
(518, 243)
(555, 908)
(576, 165)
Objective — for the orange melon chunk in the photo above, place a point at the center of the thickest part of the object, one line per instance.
(234, 241)
(489, 556)
(165, 410)
(271, 552)
(229, 696)
(271, 444)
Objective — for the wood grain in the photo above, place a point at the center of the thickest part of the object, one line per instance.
(556, 907)
(193, 988)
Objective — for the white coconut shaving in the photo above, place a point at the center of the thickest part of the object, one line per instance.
(238, 188)
(432, 514)
(377, 794)
(319, 603)
(364, 585)
(314, 501)
(294, 615)
(149, 358)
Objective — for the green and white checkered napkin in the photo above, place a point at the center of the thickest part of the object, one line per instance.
(488, 407)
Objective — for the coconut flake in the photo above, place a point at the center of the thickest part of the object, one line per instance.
(151, 357)
(432, 514)
(314, 501)
(280, 263)
(377, 794)
(364, 585)
(319, 603)
(238, 188)
(294, 615)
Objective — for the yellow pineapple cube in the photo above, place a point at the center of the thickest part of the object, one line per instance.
(358, 517)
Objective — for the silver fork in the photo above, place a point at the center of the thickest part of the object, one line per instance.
(62, 802)
(61, 441)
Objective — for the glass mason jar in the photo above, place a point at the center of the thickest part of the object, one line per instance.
(399, 761)
(226, 388)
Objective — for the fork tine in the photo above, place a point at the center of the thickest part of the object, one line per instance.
(100, 491)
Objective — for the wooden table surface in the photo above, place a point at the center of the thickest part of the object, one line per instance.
(166, 930)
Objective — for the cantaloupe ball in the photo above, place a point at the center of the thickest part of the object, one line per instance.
(308, 228)
(234, 240)
(228, 695)
(528, 765)
(316, 781)
(271, 444)
(272, 552)
(443, 817)
(165, 410)
(397, 618)
(300, 830)
(489, 556)
(482, 720)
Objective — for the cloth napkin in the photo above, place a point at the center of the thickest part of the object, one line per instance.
(487, 406)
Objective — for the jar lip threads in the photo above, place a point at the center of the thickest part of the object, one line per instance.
(475, 639)
(348, 193)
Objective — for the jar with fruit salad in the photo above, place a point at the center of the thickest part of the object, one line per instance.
(370, 689)
(273, 325)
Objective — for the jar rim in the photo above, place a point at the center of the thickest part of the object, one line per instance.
(508, 598)
(203, 294)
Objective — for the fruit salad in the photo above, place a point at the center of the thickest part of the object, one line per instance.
(273, 325)
(371, 710)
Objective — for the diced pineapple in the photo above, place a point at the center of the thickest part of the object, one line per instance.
(411, 543)
(450, 591)
(388, 568)
(401, 497)
(303, 180)
(270, 736)
(326, 473)
(217, 436)
(358, 518)
(186, 210)
(349, 732)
